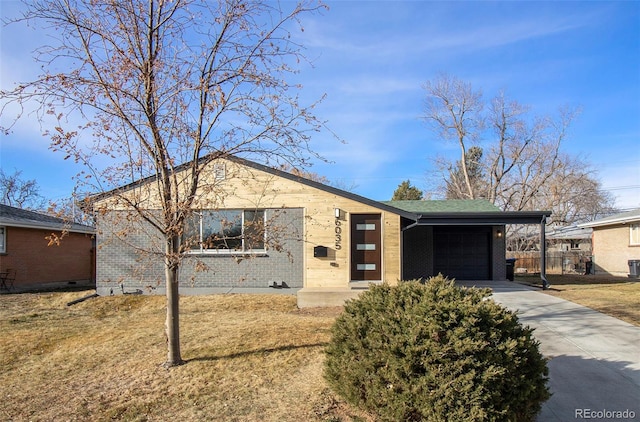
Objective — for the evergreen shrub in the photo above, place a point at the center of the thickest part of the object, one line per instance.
(435, 352)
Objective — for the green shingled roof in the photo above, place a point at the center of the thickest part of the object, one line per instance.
(451, 205)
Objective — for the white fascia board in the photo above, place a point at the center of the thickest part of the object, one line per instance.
(611, 222)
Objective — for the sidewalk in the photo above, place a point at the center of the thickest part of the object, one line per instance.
(594, 359)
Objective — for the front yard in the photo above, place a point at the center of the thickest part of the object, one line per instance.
(250, 358)
(615, 296)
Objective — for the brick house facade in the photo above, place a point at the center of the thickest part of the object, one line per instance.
(615, 241)
(26, 253)
(125, 266)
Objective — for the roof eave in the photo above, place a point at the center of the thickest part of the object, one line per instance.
(45, 226)
(611, 222)
(279, 173)
(492, 218)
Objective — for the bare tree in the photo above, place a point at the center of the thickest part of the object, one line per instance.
(74, 209)
(341, 184)
(306, 174)
(522, 166)
(20, 193)
(454, 110)
(524, 154)
(527, 169)
(574, 194)
(162, 83)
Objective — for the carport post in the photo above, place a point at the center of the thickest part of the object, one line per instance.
(543, 253)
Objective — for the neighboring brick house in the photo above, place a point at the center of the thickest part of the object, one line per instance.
(331, 243)
(615, 241)
(25, 253)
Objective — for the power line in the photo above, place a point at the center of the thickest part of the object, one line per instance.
(622, 187)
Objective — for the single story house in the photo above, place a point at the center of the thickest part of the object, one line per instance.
(569, 250)
(29, 260)
(324, 243)
(615, 242)
(569, 239)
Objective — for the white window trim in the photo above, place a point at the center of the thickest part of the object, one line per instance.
(634, 227)
(231, 252)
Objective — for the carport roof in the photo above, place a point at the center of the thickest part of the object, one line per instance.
(487, 218)
(450, 205)
(465, 212)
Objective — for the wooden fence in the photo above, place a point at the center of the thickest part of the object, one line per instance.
(558, 262)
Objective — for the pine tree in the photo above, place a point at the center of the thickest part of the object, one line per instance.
(406, 191)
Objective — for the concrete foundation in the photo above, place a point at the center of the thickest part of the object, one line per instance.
(323, 297)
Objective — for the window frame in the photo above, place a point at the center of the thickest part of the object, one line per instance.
(200, 219)
(3, 239)
(634, 228)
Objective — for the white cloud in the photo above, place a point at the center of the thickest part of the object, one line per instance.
(441, 32)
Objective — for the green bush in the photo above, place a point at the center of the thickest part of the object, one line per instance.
(435, 352)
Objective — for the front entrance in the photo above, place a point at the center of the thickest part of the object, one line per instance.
(366, 247)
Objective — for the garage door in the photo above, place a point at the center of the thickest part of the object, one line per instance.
(463, 253)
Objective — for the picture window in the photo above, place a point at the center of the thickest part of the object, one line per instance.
(225, 231)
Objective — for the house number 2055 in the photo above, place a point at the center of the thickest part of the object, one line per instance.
(338, 230)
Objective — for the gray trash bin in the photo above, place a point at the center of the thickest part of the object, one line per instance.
(634, 268)
(511, 263)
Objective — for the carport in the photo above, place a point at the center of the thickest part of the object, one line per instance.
(466, 245)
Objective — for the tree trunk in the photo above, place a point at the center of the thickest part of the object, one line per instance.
(465, 171)
(173, 308)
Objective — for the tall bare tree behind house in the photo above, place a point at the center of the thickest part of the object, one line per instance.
(512, 158)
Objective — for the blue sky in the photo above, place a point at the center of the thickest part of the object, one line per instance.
(371, 59)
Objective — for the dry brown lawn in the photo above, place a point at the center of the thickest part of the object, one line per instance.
(249, 358)
(615, 296)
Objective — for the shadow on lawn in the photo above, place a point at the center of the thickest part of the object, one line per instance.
(574, 279)
(257, 352)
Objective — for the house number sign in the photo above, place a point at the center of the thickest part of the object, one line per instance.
(338, 230)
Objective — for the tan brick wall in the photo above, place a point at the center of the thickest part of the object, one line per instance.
(611, 250)
(34, 262)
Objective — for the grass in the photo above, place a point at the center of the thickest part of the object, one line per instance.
(615, 296)
(249, 358)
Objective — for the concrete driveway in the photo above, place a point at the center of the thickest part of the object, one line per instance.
(594, 359)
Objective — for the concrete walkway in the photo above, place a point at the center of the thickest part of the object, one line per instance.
(594, 359)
